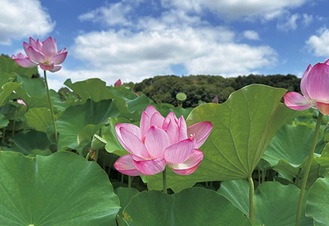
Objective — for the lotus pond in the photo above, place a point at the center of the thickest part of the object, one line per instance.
(97, 154)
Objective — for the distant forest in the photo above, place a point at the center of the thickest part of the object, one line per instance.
(206, 88)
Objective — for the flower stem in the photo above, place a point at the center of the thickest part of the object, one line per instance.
(164, 181)
(251, 199)
(307, 170)
(130, 180)
(50, 106)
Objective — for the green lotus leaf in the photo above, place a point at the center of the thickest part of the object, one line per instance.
(286, 145)
(3, 121)
(28, 142)
(275, 204)
(60, 189)
(287, 154)
(194, 206)
(243, 126)
(9, 69)
(129, 104)
(78, 124)
(317, 204)
(39, 118)
(181, 96)
(93, 88)
(125, 195)
(6, 90)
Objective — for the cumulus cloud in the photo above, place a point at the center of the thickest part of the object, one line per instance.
(199, 50)
(186, 5)
(252, 35)
(238, 8)
(110, 14)
(290, 23)
(307, 19)
(319, 44)
(22, 18)
(151, 45)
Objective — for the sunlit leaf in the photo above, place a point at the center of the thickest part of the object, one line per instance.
(243, 126)
(93, 88)
(60, 189)
(9, 69)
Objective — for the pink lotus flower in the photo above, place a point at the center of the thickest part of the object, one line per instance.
(21, 102)
(40, 53)
(118, 83)
(315, 89)
(159, 142)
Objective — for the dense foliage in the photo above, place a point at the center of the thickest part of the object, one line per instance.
(204, 88)
(253, 168)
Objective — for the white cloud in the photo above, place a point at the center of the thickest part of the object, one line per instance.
(148, 53)
(186, 5)
(307, 19)
(290, 23)
(22, 18)
(232, 59)
(238, 8)
(319, 44)
(153, 45)
(252, 35)
(111, 14)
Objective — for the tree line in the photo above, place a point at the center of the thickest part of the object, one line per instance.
(206, 88)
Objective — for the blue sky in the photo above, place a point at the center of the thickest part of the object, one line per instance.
(136, 39)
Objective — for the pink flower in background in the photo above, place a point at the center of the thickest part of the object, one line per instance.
(40, 53)
(21, 102)
(315, 89)
(118, 83)
(161, 141)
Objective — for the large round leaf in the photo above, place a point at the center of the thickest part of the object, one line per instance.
(93, 88)
(38, 118)
(193, 207)
(286, 145)
(9, 69)
(125, 195)
(199, 206)
(78, 124)
(129, 104)
(29, 142)
(286, 153)
(60, 189)
(148, 209)
(275, 204)
(317, 205)
(6, 90)
(243, 126)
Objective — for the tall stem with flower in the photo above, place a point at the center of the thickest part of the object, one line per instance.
(314, 87)
(46, 55)
(51, 107)
(160, 142)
